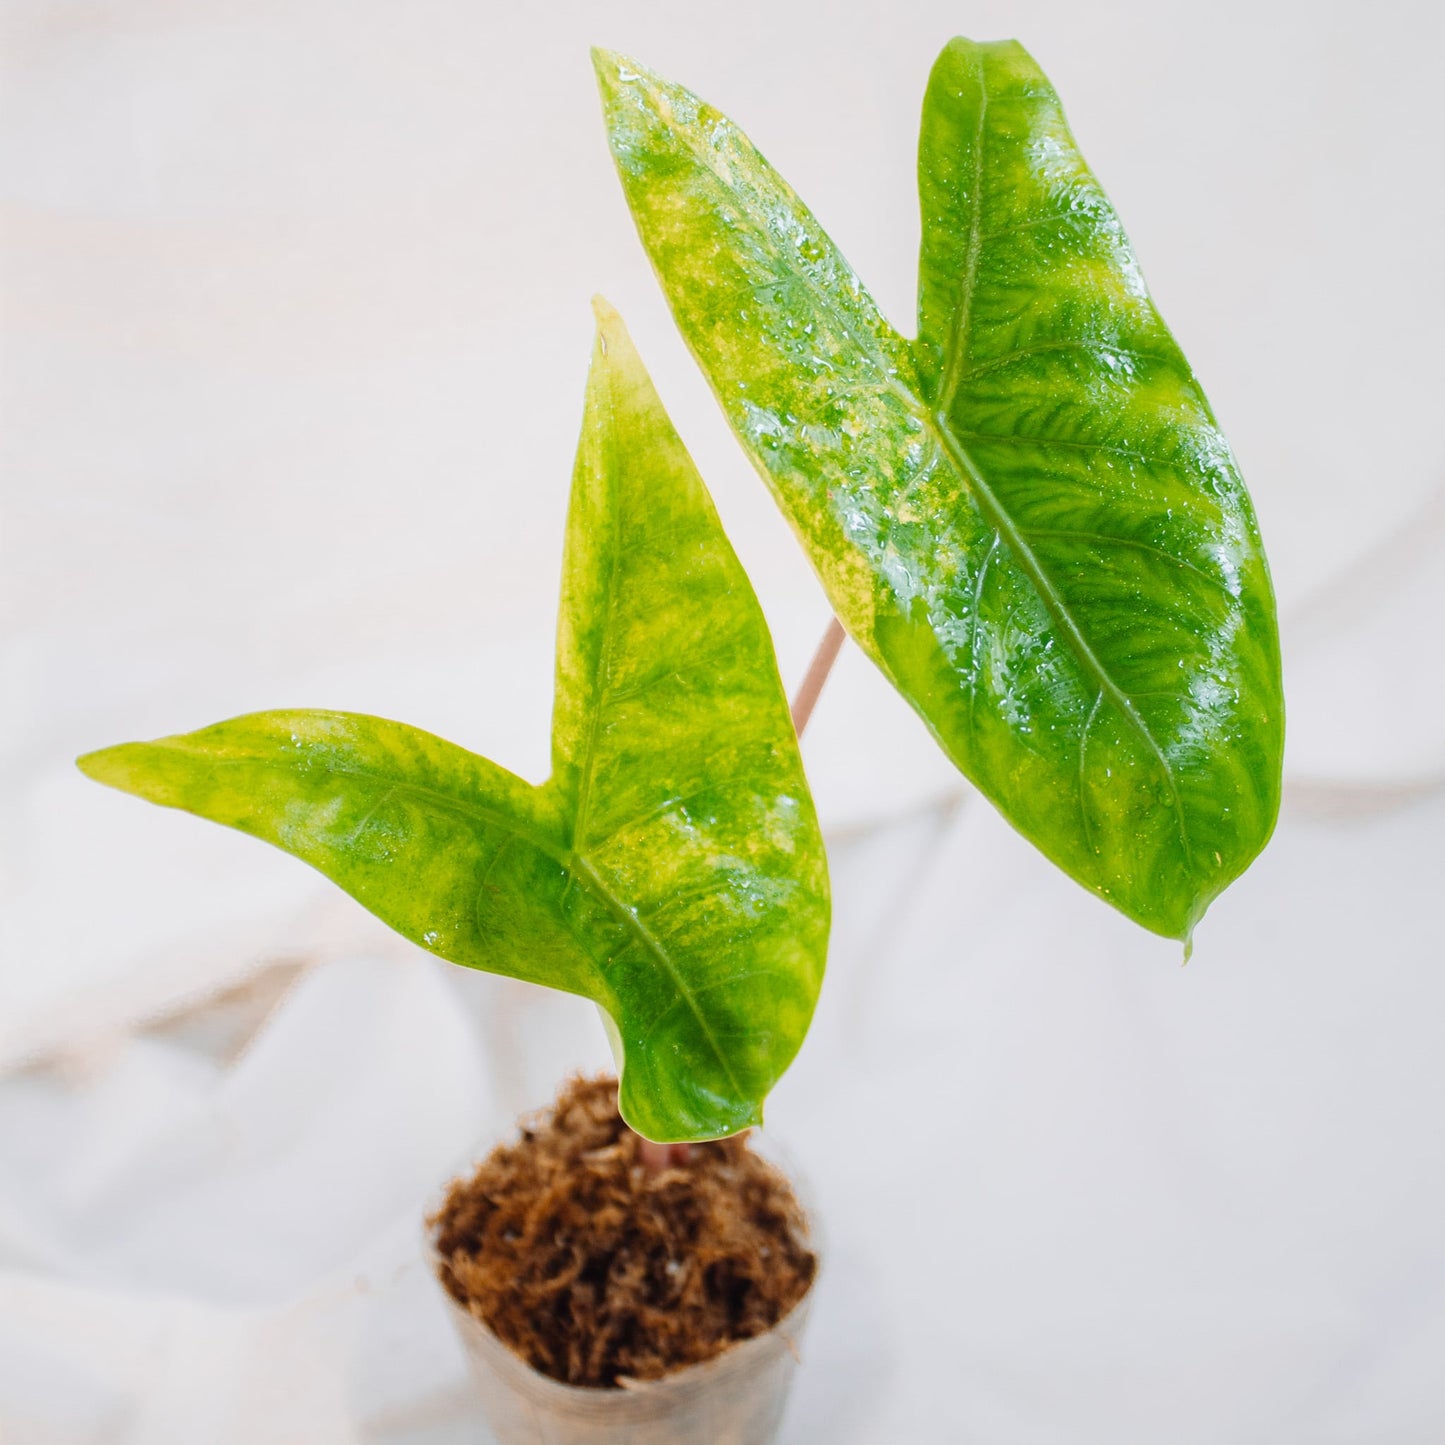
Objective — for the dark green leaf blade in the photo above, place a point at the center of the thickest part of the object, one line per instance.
(678, 766)
(1064, 579)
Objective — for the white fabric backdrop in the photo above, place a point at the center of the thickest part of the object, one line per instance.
(295, 331)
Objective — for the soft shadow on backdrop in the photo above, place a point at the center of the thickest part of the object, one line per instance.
(295, 329)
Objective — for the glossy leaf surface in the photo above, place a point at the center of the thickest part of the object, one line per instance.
(1028, 518)
(671, 870)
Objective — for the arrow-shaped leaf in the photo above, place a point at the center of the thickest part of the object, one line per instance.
(671, 870)
(1028, 518)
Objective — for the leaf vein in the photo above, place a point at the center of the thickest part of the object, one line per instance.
(644, 936)
(1133, 542)
(997, 363)
(998, 517)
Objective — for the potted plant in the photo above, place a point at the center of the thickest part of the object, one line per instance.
(671, 869)
(1027, 518)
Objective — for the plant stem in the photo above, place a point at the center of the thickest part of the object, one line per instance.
(661, 1156)
(818, 670)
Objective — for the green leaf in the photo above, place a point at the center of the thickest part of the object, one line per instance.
(1028, 518)
(671, 870)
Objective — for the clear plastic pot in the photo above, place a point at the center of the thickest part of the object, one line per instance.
(736, 1398)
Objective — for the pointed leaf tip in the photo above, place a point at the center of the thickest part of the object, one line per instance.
(607, 64)
(116, 767)
(608, 319)
(94, 765)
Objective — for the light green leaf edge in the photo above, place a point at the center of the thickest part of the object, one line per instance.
(671, 870)
(1028, 519)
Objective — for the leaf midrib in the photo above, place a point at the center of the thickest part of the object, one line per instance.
(594, 883)
(959, 334)
(602, 686)
(997, 517)
(579, 866)
(467, 807)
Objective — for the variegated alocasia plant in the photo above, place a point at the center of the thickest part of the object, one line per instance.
(1027, 517)
(671, 869)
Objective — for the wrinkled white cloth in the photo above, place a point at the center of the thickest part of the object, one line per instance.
(296, 326)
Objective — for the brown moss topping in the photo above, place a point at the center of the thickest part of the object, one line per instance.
(590, 1266)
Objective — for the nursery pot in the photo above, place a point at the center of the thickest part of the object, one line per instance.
(736, 1397)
